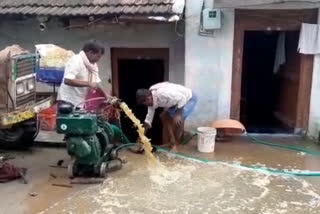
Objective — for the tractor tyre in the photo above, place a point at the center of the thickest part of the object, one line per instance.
(20, 136)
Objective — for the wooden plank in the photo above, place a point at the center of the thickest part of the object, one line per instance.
(304, 94)
(288, 77)
(274, 20)
(115, 72)
(237, 70)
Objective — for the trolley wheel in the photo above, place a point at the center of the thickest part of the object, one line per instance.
(71, 169)
(103, 170)
(114, 154)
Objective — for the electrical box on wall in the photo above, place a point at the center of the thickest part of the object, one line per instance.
(211, 19)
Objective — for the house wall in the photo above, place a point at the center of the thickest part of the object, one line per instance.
(208, 66)
(314, 118)
(27, 34)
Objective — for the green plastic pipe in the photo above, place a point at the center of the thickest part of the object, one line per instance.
(294, 148)
(262, 142)
(123, 146)
(299, 173)
(256, 168)
(252, 167)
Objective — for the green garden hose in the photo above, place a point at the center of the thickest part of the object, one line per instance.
(300, 173)
(123, 146)
(294, 148)
(187, 140)
(262, 142)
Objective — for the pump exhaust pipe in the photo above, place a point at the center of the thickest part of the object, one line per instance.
(43, 20)
(42, 26)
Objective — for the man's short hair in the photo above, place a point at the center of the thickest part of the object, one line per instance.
(93, 45)
(142, 95)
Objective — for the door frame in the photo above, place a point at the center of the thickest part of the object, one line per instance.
(136, 53)
(272, 20)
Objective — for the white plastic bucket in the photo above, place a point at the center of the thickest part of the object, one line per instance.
(206, 139)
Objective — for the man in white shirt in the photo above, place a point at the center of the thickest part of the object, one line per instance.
(81, 74)
(178, 103)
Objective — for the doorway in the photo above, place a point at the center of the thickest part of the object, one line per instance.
(268, 97)
(134, 69)
(269, 88)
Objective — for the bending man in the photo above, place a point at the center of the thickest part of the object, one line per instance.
(178, 103)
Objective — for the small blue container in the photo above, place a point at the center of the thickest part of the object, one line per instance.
(52, 76)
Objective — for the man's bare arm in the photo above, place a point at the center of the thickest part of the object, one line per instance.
(79, 83)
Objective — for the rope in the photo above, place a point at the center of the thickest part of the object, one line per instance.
(88, 100)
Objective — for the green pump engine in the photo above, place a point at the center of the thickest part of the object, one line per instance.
(89, 142)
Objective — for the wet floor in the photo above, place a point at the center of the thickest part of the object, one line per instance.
(246, 151)
(16, 197)
(181, 185)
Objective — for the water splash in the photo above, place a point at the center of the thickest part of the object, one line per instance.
(143, 139)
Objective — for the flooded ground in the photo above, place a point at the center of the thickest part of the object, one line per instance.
(16, 197)
(179, 186)
(185, 186)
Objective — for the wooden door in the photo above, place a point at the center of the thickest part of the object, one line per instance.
(273, 20)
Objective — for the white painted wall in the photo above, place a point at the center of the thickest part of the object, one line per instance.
(208, 66)
(27, 34)
(314, 116)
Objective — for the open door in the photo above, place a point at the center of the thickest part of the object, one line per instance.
(134, 69)
(268, 99)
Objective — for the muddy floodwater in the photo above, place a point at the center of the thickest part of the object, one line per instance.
(179, 185)
(183, 186)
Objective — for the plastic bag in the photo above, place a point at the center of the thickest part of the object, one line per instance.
(53, 60)
(52, 56)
